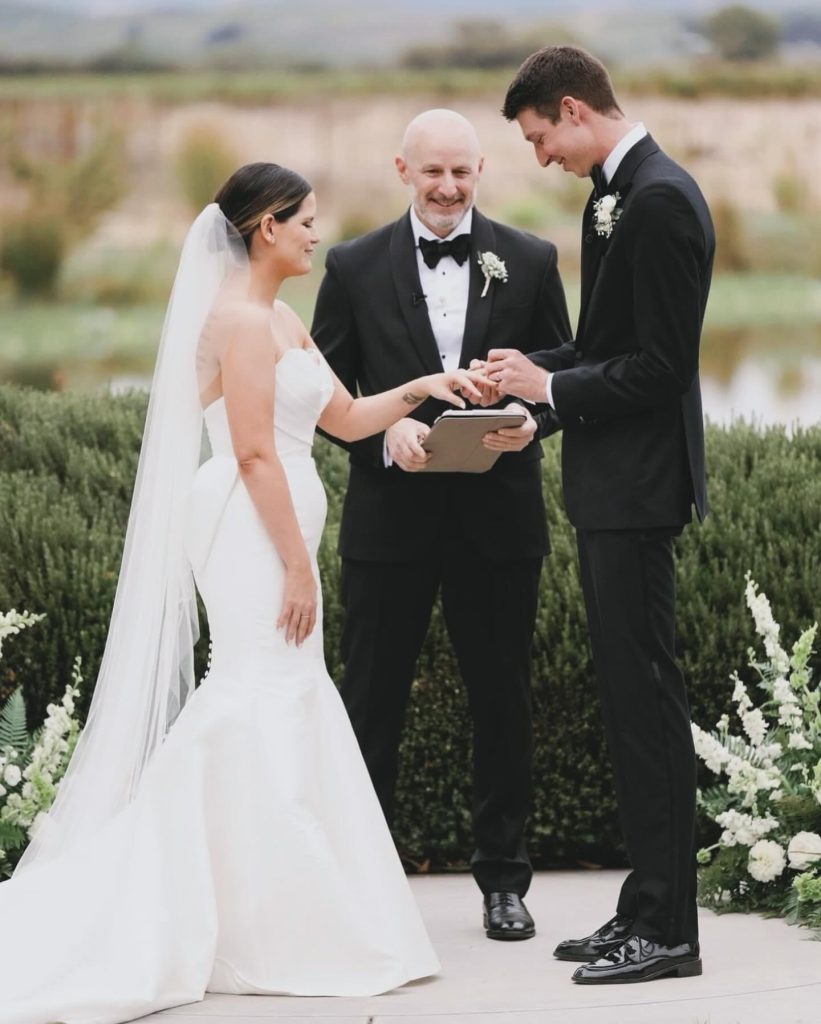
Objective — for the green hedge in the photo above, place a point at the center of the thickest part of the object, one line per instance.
(66, 468)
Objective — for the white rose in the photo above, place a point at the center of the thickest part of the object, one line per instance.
(804, 849)
(607, 204)
(766, 861)
(12, 775)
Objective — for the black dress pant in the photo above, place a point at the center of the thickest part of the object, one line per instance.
(490, 613)
(628, 580)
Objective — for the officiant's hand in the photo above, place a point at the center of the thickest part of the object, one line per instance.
(514, 374)
(404, 442)
(511, 439)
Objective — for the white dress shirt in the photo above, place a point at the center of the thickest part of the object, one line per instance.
(609, 168)
(445, 288)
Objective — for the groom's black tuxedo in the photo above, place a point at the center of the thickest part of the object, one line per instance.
(627, 394)
(478, 537)
(630, 407)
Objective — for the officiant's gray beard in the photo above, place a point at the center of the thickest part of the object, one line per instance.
(443, 221)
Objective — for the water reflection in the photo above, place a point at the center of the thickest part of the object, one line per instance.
(766, 392)
(741, 376)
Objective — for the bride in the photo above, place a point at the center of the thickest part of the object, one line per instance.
(243, 850)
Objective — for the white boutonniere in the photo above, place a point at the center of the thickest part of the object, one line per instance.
(492, 267)
(606, 212)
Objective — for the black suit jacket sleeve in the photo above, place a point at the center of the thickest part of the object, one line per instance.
(552, 330)
(658, 365)
(334, 332)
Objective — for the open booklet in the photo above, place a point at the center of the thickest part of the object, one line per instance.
(455, 440)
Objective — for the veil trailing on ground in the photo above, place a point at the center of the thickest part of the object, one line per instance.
(147, 671)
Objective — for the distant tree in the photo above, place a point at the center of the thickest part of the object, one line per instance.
(481, 43)
(741, 33)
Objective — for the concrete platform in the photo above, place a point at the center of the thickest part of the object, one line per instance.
(756, 971)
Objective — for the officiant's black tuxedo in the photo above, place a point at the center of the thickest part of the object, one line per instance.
(627, 394)
(479, 537)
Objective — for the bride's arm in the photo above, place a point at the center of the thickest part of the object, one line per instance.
(248, 367)
(351, 419)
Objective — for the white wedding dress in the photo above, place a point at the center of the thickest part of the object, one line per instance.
(255, 857)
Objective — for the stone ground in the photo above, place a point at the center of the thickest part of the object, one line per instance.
(756, 971)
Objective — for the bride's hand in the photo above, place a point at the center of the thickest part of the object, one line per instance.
(299, 602)
(449, 384)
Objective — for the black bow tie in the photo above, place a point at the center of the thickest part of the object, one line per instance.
(433, 251)
(598, 179)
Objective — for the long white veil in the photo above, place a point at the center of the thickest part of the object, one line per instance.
(147, 671)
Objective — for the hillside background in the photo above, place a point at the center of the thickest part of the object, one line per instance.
(118, 119)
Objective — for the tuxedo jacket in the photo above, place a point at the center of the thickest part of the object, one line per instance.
(627, 389)
(371, 322)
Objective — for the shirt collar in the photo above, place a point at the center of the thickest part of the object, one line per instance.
(621, 149)
(421, 230)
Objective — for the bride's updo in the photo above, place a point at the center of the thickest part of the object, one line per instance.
(257, 189)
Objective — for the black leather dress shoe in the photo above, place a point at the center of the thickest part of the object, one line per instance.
(640, 959)
(506, 917)
(609, 936)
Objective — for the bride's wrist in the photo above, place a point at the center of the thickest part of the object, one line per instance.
(417, 391)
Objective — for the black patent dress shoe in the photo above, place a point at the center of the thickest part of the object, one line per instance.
(609, 936)
(507, 918)
(640, 959)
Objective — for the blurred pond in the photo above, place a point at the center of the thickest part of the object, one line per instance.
(760, 386)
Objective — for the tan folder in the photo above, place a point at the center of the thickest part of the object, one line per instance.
(455, 440)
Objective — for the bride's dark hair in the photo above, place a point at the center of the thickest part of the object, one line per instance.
(257, 189)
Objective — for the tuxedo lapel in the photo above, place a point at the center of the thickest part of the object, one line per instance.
(590, 258)
(593, 245)
(409, 294)
(477, 317)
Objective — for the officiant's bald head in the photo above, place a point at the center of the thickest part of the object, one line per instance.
(441, 160)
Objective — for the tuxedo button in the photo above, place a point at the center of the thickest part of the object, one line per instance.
(588, 239)
(579, 357)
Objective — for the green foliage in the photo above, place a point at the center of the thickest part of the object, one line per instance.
(32, 247)
(13, 728)
(731, 249)
(701, 78)
(741, 33)
(67, 196)
(77, 187)
(204, 161)
(66, 466)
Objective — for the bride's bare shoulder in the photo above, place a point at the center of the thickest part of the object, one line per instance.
(233, 321)
(288, 317)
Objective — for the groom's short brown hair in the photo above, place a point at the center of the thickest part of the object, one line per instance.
(556, 71)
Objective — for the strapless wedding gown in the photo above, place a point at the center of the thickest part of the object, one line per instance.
(255, 858)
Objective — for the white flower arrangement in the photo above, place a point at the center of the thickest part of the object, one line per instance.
(804, 850)
(766, 860)
(606, 212)
(769, 783)
(493, 268)
(31, 766)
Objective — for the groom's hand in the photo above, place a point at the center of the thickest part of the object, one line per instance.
(511, 439)
(489, 391)
(404, 442)
(514, 374)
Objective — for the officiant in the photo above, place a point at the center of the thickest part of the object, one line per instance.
(432, 290)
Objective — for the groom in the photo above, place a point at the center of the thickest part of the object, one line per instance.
(405, 300)
(627, 394)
